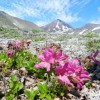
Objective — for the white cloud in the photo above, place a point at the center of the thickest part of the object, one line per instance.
(97, 21)
(44, 10)
(41, 23)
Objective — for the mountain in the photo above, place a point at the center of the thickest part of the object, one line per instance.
(57, 26)
(9, 21)
(90, 27)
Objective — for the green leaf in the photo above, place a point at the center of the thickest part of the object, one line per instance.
(10, 97)
(42, 95)
(43, 88)
(20, 86)
(11, 84)
(13, 78)
(27, 93)
(62, 94)
(48, 97)
(31, 94)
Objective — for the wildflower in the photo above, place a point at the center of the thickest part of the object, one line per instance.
(10, 53)
(94, 57)
(60, 58)
(47, 59)
(64, 80)
(50, 58)
(28, 42)
(73, 72)
(18, 42)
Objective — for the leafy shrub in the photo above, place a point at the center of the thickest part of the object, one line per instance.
(15, 87)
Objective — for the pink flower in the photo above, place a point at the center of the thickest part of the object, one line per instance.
(50, 58)
(73, 72)
(62, 70)
(18, 42)
(10, 53)
(47, 59)
(60, 58)
(28, 42)
(64, 80)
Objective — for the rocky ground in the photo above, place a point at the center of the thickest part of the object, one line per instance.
(71, 45)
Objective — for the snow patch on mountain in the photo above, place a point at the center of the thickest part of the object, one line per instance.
(96, 28)
(57, 25)
(83, 31)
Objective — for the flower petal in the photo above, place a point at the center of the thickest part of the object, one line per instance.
(43, 65)
(41, 57)
(64, 80)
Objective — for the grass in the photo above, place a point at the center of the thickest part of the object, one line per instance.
(38, 38)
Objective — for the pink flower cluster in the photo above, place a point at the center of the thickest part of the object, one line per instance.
(68, 73)
(15, 46)
(19, 44)
(72, 74)
(51, 59)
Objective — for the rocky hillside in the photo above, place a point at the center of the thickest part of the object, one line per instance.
(90, 27)
(14, 22)
(57, 26)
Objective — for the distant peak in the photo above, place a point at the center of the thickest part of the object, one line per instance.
(2, 12)
(58, 20)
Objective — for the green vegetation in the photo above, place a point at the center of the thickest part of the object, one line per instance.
(61, 38)
(90, 35)
(37, 31)
(38, 38)
(31, 94)
(15, 87)
(93, 44)
(92, 41)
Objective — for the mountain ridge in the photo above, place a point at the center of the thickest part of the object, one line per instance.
(83, 29)
(14, 22)
(56, 26)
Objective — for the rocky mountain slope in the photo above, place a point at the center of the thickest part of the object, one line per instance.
(57, 26)
(60, 26)
(90, 27)
(13, 22)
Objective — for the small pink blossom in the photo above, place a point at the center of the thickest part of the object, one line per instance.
(46, 59)
(28, 42)
(18, 42)
(60, 58)
(10, 53)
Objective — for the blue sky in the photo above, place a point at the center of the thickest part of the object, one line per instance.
(75, 12)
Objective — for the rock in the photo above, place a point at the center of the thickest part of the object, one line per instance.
(98, 75)
(23, 71)
(94, 85)
(57, 99)
(98, 68)
(30, 79)
(15, 72)
(22, 97)
(28, 84)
